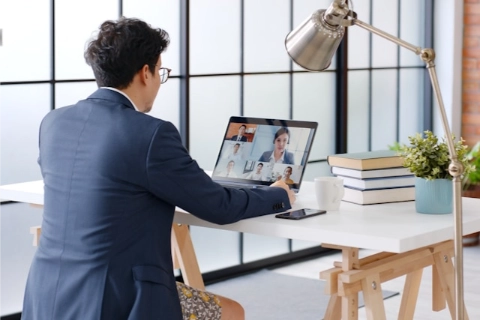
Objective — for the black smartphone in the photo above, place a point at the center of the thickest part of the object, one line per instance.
(300, 214)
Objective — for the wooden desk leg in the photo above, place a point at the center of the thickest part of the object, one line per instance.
(185, 255)
(36, 231)
(410, 295)
(350, 302)
(446, 273)
(350, 307)
(372, 294)
(334, 308)
(438, 297)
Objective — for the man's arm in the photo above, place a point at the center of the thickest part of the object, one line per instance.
(175, 177)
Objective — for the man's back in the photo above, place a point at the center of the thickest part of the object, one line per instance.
(98, 212)
(113, 177)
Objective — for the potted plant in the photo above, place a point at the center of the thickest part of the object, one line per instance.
(428, 159)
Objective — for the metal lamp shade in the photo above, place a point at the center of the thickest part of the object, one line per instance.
(313, 44)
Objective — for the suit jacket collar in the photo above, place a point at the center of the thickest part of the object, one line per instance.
(110, 95)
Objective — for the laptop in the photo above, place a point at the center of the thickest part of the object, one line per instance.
(256, 152)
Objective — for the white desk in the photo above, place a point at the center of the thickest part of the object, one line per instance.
(408, 242)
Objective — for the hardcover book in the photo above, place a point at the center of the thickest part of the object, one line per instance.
(379, 159)
(366, 174)
(379, 183)
(379, 195)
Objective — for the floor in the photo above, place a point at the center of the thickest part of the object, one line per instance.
(423, 310)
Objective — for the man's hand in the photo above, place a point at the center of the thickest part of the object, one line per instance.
(283, 185)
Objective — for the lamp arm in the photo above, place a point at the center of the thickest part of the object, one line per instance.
(428, 56)
(455, 168)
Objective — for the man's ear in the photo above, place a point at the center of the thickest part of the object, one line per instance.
(144, 74)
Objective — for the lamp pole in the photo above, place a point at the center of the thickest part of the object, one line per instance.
(312, 46)
(455, 168)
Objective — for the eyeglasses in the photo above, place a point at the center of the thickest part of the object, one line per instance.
(164, 74)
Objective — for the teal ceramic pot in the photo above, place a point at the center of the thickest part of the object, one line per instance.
(433, 196)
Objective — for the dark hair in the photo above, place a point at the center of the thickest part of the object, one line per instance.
(243, 126)
(122, 48)
(260, 164)
(281, 131)
(291, 169)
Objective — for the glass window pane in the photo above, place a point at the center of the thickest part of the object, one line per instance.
(213, 100)
(256, 247)
(316, 169)
(215, 24)
(384, 108)
(267, 23)
(167, 103)
(358, 111)
(303, 9)
(267, 96)
(411, 102)
(359, 38)
(25, 53)
(73, 31)
(314, 100)
(299, 245)
(412, 30)
(162, 14)
(67, 94)
(215, 249)
(19, 164)
(385, 18)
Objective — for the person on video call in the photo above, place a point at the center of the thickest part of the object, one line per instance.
(113, 176)
(236, 155)
(256, 174)
(228, 172)
(279, 153)
(240, 136)
(286, 175)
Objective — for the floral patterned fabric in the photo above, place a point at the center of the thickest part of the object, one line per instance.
(198, 305)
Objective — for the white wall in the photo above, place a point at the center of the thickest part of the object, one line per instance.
(448, 44)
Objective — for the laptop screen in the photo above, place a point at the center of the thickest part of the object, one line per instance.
(257, 152)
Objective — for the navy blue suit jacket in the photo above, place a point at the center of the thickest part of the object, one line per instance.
(113, 177)
(235, 138)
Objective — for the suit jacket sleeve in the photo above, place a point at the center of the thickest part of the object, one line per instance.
(176, 178)
(265, 156)
(289, 159)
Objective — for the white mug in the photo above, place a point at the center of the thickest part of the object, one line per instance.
(329, 192)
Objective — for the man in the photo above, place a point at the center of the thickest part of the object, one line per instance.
(113, 177)
(286, 175)
(240, 136)
(228, 172)
(236, 155)
(257, 174)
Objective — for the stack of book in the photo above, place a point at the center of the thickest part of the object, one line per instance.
(373, 177)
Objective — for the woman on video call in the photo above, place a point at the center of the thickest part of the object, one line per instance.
(279, 154)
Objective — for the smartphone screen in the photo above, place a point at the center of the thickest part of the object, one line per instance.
(300, 214)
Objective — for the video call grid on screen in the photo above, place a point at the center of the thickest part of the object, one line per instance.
(246, 155)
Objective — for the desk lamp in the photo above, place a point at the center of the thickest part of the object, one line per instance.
(312, 46)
